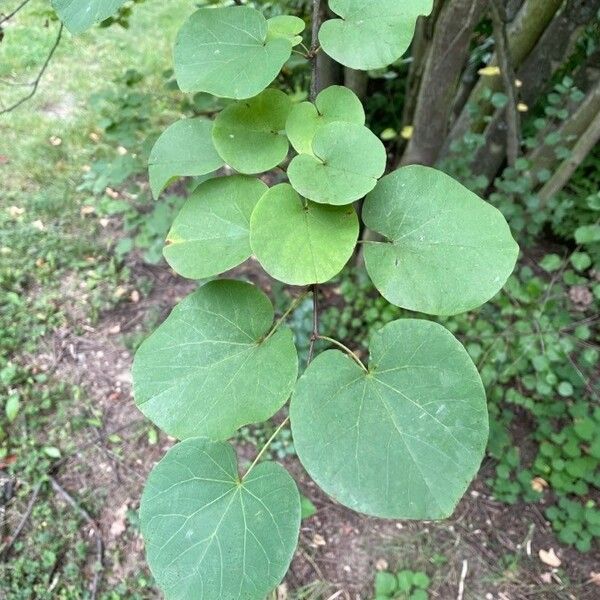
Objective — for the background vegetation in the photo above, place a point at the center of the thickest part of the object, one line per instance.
(504, 96)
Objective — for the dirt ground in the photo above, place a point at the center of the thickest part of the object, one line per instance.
(493, 549)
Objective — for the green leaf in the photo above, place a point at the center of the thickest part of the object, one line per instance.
(210, 367)
(448, 250)
(348, 160)
(421, 580)
(402, 441)
(210, 534)
(405, 580)
(581, 261)
(301, 243)
(308, 509)
(227, 52)
(551, 262)
(11, 408)
(335, 103)
(587, 234)
(385, 584)
(287, 27)
(371, 35)
(211, 233)
(185, 149)
(250, 135)
(79, 15)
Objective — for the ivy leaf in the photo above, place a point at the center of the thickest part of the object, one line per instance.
(210, 534)
(300, 243)
(185, 149)
(211, 233)
(402, 441)
(348, 160)
(211, 366)
(227, 52)
(79, 15)
(448, 250)
(250, 135)
(371, 35)
(335, 103)
(287, 27)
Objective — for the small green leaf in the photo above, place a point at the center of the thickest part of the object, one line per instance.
(210, 533)
(421, 580)
(385, 584)
(348, 160)
(565, 389)
(52, 452)
(405, 580)
(308, 509)
(11, 409)
(587, 234)
(402, 441)
(371, 35)
(185, 149)
(581, 261)
(79, 15)
(335, 103)
(227, 52)
(249, 135)
(211, 233)
(448, 250)
(209, 368)
(287, 27)
(551, 263)
(301, 243)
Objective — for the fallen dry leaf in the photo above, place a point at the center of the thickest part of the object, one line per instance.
(548, 557)
(595, 578)
(319, 540)
(538, 484)
(118, 526)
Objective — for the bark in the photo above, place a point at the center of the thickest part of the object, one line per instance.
(584, 146)
(553, 48)
(543, 157)
(443, 66)
(357, 81)
(328, 72)
(523, 34)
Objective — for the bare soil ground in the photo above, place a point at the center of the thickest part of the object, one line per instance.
(492, 548)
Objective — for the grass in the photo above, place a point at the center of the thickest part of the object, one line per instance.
(57, 271)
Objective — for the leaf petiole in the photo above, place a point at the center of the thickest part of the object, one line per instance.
(293, 306)
(347, 350)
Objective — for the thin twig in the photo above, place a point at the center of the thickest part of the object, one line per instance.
(86, 516)
(314, 48)
(463, 576)
(36, 81)
(513, 121)
(315, 329)
(14, 12)
(23, 521)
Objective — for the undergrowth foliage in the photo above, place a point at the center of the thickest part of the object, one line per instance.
(400, 437)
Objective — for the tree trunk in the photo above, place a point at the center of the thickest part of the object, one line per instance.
(523, 34)
(328, 72)
(357, 81)
(563, 175)
(554, 47)
(443, 66)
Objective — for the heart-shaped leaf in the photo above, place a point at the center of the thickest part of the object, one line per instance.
(448, 250)
(79, 15)
(185, 149)
(371, 35)
(211, 534)
(403, 440)
(211, 233)
(212, 366)
(287, 27)
(227, 52)
(335, 103)
(301, 242)
(348, 160)
(250, 135)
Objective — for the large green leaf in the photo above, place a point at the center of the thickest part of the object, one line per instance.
(448, 250)
(211, 233)
(301, 242)
(250, 135)
(373, 34)
(79, 15)
(402, 441)
(211, 535)
(227, 52)
(185, 149)
(348, 160)
(335, 103)
(211, 367)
